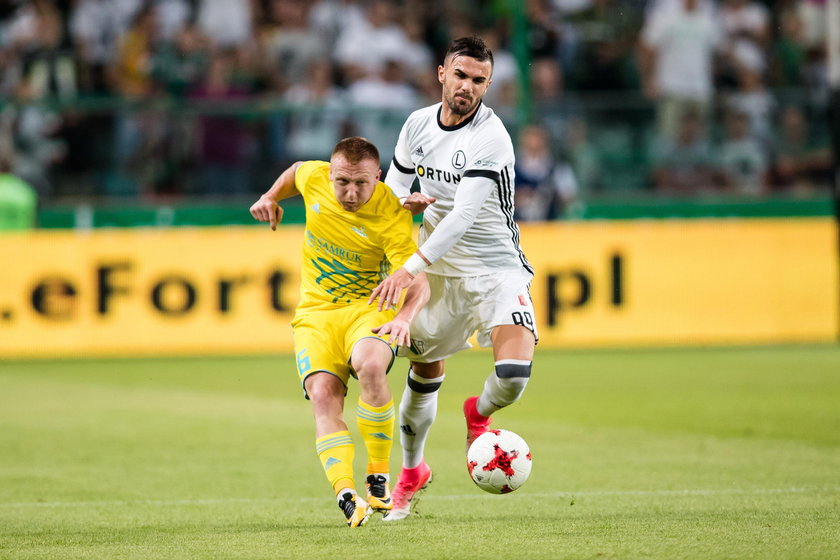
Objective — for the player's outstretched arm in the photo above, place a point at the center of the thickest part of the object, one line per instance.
(415, 298)
(390, 289)
(266, 208)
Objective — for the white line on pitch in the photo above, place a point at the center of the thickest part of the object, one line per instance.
(566, 494)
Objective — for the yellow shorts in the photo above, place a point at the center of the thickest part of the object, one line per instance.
(325, 337)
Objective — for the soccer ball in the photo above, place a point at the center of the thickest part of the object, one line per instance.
(499, 461)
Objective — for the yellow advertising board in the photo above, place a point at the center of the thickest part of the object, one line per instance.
(233, 290)
(685, 282)
(148, 291)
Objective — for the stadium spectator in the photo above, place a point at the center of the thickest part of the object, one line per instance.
(503, 96)
(685, 165)
(815, 29)
(18, 199)
(745, 20)
(802, 161)
(328, 18)
(745, 26)
(606, 31)
(224, 141)
(555, 106)
(363, 48)
(32, 146)
(548, 36)
(96, 27)
(229, 24)
(789, 52)
(172, 16)
(288, 45)
(181, 62)
(815, 22)
(755, 101)
(676, 53)
(41, 49)
(545, 187)
(418, 55)
(744, 160)
(318, 114)
(135, 56)
(140, 133)
(583, 156)
(380, 102)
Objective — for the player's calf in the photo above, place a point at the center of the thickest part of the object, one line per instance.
(504, 386)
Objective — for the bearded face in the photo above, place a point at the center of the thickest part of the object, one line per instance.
(465, 81)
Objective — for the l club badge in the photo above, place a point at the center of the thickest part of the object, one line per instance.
(459, 159)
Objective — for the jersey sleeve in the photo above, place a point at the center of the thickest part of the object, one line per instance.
(491, 155)
(304, 173)
(469, 198)
(401, 172)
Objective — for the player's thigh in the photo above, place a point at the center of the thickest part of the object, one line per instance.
(505, 311)
(512, 342)
(444, 325)
(319, 347)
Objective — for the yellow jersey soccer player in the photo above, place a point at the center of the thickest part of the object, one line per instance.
(356, 231)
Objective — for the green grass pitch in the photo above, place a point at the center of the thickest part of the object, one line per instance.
(679, 453)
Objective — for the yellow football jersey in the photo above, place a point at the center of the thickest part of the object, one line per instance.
(346, 254)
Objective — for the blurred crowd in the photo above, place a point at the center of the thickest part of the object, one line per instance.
(211, 97)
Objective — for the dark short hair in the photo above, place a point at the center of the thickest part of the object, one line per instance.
(473, 47)
(355, 149)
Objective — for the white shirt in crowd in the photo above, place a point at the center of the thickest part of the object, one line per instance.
(684, 43)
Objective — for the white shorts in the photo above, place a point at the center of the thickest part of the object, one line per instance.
(461, 306)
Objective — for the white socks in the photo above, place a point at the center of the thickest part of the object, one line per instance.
(418, 409)
(504, 386)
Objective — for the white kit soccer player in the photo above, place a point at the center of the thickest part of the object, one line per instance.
(468, 169)
(463, 158)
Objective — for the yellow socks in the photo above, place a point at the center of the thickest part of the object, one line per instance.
(336, 453)
(376, 425)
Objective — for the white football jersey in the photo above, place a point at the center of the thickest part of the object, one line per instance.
(441, 156)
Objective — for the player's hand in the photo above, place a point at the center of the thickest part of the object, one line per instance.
(267, 210)
(417, 202)
(398, 331)
(390, 290)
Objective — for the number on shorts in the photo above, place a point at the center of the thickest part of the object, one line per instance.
(303, 361)
(524, 319)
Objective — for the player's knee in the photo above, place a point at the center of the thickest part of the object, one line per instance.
(373, 365)
(373, 382)
(511, 378)
(324, 388)
(423, 386)
(371, 358)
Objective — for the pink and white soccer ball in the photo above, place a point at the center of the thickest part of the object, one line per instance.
(499, 461)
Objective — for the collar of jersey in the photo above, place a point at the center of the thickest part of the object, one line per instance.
(461, 124)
